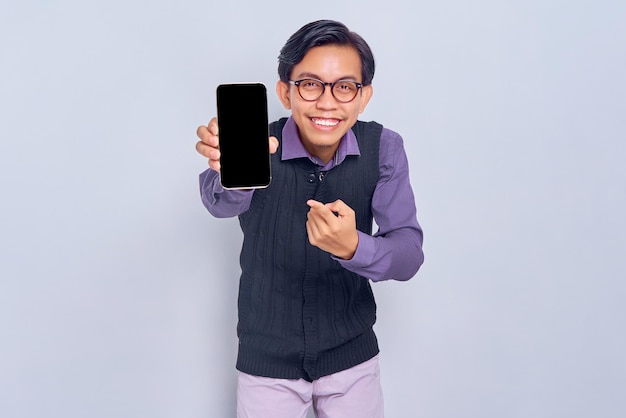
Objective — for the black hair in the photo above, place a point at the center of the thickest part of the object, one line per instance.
(319, 33)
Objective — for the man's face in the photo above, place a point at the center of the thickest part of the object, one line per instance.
(323, 122)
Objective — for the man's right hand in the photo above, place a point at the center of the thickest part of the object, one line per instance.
(209, 143)
(208, 146)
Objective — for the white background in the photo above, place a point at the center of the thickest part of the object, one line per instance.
(118, 290)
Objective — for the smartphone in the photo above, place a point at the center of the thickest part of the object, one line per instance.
(244, 135)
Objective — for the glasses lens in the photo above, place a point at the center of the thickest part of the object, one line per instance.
(310, 89)
(345, 91)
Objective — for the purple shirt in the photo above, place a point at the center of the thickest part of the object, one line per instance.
(395, 250)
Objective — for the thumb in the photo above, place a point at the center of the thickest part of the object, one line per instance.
(339, 207)
(273, 144)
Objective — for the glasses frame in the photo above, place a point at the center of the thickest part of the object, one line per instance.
(297, 83)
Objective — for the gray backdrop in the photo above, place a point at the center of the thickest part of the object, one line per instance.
(118, 290)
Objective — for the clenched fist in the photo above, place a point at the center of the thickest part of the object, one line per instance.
(332, 228)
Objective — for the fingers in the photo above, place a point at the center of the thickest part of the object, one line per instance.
(317, 221)
(340, 208)
(208, 146)
(213, 126)
(314, 203)
(330, 211)
(329, 216)
(332, 227)
(319, 212)
(209, 134)
(209, 143)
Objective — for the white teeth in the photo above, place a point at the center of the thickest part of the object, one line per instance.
(326, 122)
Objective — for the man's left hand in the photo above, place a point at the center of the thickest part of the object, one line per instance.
(332, 228)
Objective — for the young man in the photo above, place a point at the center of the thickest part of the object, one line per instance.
(306, 308)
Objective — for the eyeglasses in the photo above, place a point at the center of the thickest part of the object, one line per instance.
(343, 91)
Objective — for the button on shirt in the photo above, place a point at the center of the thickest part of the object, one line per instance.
(395, 250)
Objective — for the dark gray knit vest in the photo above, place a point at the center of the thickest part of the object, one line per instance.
(301, 314)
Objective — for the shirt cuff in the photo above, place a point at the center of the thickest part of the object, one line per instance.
(363, 255)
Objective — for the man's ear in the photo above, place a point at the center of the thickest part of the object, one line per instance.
(282, 90)
(366, 95)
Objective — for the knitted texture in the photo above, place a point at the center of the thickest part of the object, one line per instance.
(301, 314)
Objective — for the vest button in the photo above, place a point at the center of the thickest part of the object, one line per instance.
(312, 178)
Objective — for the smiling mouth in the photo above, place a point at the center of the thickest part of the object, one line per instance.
(325, 122)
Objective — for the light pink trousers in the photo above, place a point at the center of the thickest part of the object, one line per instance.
(352, 393)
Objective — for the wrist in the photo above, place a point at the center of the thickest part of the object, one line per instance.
(350, 249)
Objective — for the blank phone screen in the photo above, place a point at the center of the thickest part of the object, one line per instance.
(243, 134)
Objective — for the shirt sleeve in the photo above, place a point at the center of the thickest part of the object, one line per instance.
(220, 202)
(394, 252)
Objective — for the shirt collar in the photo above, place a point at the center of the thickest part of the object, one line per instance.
(292, 147)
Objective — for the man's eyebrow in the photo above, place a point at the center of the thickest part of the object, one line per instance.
(317, 77)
